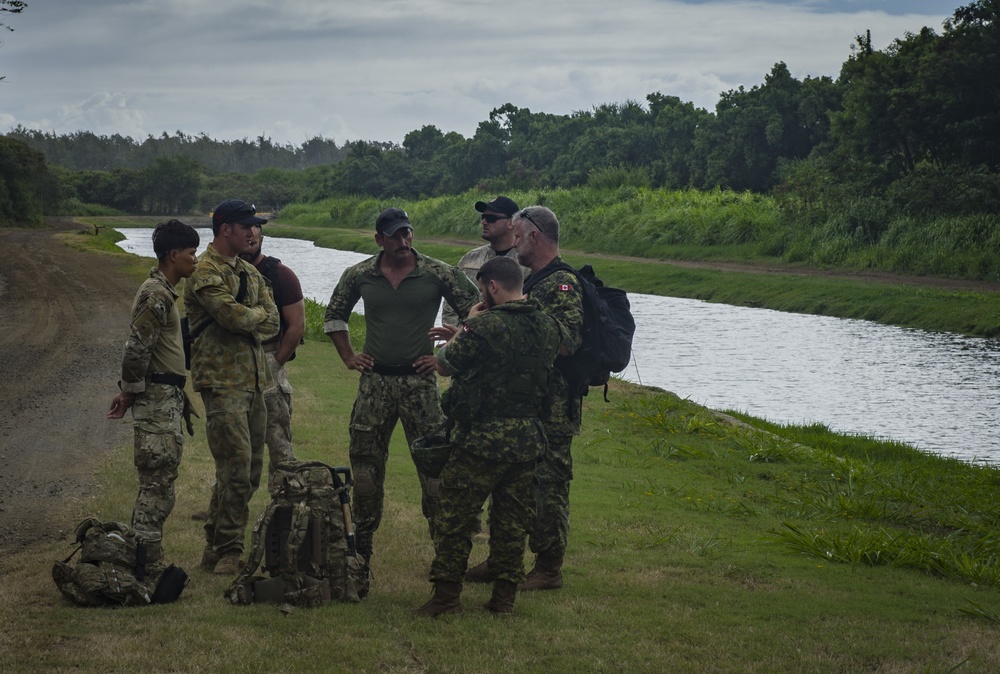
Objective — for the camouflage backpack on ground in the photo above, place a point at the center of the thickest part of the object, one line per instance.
(304, 540)
(116, 568)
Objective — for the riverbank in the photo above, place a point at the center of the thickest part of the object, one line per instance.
(923, 302)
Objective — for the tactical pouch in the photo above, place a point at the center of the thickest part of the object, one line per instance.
(172, 582)
(431, 452)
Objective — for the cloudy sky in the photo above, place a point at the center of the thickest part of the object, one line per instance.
(377, 69)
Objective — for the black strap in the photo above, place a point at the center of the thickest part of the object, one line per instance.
(393, 370)
(167, 378)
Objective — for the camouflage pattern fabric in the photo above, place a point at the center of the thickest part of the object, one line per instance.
(560, 297)
(157, 415)
(236, 424)
(228, 354)
(154, 342)
(278, 400)
(381, 402)
(511, 348)
(550, 533)
(471, 263)
(466, 482)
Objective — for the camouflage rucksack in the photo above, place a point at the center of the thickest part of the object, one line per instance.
(304, 540)
(116, 568)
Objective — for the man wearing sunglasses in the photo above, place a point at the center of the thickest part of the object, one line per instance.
(230, 314)
(498, 232)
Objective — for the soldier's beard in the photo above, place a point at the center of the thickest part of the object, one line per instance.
(488, 298)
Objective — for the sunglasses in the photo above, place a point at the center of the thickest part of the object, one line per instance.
(490, 218)
(524, 214)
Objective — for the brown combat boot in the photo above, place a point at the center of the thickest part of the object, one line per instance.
(446, 599)
(502, 600)
(545, 576)
(228, 565)
(480, 573)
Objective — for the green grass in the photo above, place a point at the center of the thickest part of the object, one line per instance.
(699, 543)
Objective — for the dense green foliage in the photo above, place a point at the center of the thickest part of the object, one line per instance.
(26, 184)
(893, 166)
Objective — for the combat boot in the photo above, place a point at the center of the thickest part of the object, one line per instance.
(228, 565)
(446, 599)
(502, 600)
(546, 575)
(480, 573)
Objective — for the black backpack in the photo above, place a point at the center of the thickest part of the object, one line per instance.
(608, 328)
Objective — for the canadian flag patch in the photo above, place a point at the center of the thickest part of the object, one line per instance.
(565, 286)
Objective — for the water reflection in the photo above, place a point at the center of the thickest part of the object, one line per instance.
(936, 391)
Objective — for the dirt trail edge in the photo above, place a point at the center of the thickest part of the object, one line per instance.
(63, 317)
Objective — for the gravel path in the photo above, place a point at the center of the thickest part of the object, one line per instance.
(63, 317)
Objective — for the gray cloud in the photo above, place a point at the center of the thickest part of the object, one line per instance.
(350, 69)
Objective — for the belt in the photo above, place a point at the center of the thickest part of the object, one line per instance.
(393, 370)
(171, 379)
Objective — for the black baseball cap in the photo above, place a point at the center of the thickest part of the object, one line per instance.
(236, 211)
(501, 204)
(390, 220)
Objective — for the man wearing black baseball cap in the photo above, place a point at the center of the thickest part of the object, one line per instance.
(231, 313)
(498, 232)
(402, 291)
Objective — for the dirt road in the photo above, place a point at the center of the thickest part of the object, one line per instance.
(63, 317)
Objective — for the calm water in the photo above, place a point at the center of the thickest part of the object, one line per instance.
(936, 391)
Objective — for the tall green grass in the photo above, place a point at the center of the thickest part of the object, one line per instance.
(692, 224)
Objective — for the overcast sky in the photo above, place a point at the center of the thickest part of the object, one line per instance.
(377, 69)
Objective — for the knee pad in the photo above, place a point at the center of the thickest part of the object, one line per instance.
(364, 482)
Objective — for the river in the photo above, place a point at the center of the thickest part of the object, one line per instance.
(936, 391)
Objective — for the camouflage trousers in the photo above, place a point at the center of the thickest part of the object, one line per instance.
(278, 401)
(235, 423)
(466, 482)
(553, 474)
(157, 417)
(382, 402)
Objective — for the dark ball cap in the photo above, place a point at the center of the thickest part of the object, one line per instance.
(236, 211)
(390, 220)
(501, 204)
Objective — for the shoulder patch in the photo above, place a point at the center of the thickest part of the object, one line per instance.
(565, 287)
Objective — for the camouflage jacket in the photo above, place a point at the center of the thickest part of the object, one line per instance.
(501, 362)
(227, 353)
(560, 297)
(471, 263)
(154, 342)
(398, 319)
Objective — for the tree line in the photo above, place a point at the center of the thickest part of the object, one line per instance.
(911, 127)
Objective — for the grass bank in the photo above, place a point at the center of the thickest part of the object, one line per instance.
(699, 543)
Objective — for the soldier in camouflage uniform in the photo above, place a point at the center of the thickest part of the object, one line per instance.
(498, 231)
(500, 361)
(231, 313)
(402, 291)
(537, 240)
(153, 378)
